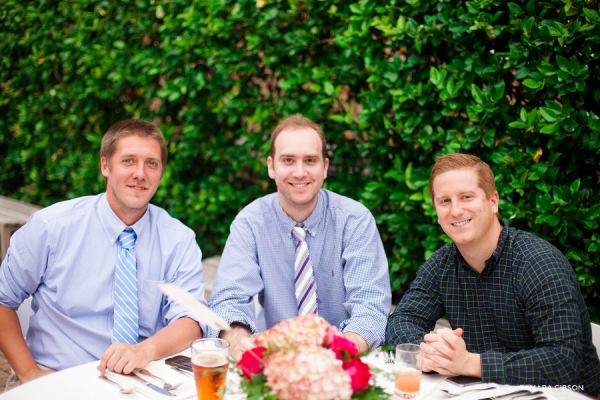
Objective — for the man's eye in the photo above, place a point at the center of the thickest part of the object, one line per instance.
(310, 160)
(128, 161)
(287, 160)
(153, 163)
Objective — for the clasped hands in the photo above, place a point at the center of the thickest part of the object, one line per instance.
(445, 352)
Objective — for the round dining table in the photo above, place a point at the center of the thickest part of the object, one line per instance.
(82, 383)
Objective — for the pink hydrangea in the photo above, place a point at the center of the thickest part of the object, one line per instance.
(309, 373)
(308, 329)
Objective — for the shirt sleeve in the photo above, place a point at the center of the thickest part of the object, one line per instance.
(551, 299)
(25, 263)
(420, 307)
(238, 278)
(186, 272)
(366, 279)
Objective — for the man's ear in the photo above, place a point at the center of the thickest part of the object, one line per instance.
(271, 167)
(326, 167)
(104, 167)
(494, 200)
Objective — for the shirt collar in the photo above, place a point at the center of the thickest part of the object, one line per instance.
(113, 226)
(490, 262)
(311, 223)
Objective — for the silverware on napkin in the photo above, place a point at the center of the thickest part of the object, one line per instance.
(150, 385)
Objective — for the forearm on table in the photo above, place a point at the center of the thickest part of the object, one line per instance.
(172, 338)
(13, 345)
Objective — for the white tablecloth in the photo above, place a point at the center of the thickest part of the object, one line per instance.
(82, 383)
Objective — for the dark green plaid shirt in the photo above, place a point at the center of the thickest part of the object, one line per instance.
(524, 313)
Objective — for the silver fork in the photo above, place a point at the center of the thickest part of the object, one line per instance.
(389, 358)
(166, 385)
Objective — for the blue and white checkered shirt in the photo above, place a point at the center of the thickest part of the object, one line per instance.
(350, 266)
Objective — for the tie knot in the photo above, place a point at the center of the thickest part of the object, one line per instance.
(127, 239)
(299, 233)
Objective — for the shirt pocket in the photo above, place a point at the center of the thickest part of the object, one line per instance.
(150, 305)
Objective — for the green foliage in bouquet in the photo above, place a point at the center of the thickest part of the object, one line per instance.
(394, 83)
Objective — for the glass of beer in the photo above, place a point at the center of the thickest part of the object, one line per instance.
(209, 361)
(409, 359)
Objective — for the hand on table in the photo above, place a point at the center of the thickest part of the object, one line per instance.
(445, 352)
(34, 374)
(124, 358)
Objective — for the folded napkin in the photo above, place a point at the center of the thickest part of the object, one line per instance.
(159, 368)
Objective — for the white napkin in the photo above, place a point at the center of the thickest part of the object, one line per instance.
(159, 368)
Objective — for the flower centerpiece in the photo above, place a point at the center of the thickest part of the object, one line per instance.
(305, 358)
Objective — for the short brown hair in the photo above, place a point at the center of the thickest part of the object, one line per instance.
(298, 121)
(129, 127)
(451, 162)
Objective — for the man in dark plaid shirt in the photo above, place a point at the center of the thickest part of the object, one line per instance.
(512, 298)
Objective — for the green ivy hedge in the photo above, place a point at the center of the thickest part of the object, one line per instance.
(394, 83)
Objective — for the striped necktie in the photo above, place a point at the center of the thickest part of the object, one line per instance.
(126, 326)
(306, 287)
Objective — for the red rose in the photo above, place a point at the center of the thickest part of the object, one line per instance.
(251, 362)
(341, 344)
(359, 372)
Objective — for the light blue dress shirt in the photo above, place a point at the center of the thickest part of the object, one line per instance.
(65, 256)
(350, 266)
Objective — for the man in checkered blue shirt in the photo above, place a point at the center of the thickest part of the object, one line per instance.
(512, 298)
(348, 260)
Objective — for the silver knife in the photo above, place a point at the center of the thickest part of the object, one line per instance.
(150, 385)
(506, 395)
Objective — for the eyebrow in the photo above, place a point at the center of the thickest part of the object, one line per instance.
(460, 194)
(294, 156)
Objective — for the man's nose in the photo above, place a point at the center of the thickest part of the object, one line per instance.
(456, 208)
(140, 171)
(299, 171)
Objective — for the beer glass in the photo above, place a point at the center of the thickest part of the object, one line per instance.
(209, 361)
(409, 360)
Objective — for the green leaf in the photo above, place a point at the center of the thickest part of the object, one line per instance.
(119, 44)
(329, 89)
(575, 185)
(517, 124)
(593, 213)
(530, 83)
(548, 114)
(523, 114)
(434, 76)
(552, 220)
(477, 94)
(563, 64)
(416, 197)
(543, 186)
(515, 9)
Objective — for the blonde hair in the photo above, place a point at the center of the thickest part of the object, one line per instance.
(298, 121)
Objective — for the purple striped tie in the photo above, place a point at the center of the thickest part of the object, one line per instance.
(306, 287)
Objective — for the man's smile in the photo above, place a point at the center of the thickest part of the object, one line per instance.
(461, 223)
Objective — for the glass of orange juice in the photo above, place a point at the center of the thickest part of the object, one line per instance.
(209, 361)
(409, 359)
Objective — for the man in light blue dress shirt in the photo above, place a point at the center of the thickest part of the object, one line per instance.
(349, 262)
(65, 257)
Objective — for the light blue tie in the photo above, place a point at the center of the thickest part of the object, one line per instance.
(126, 326)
